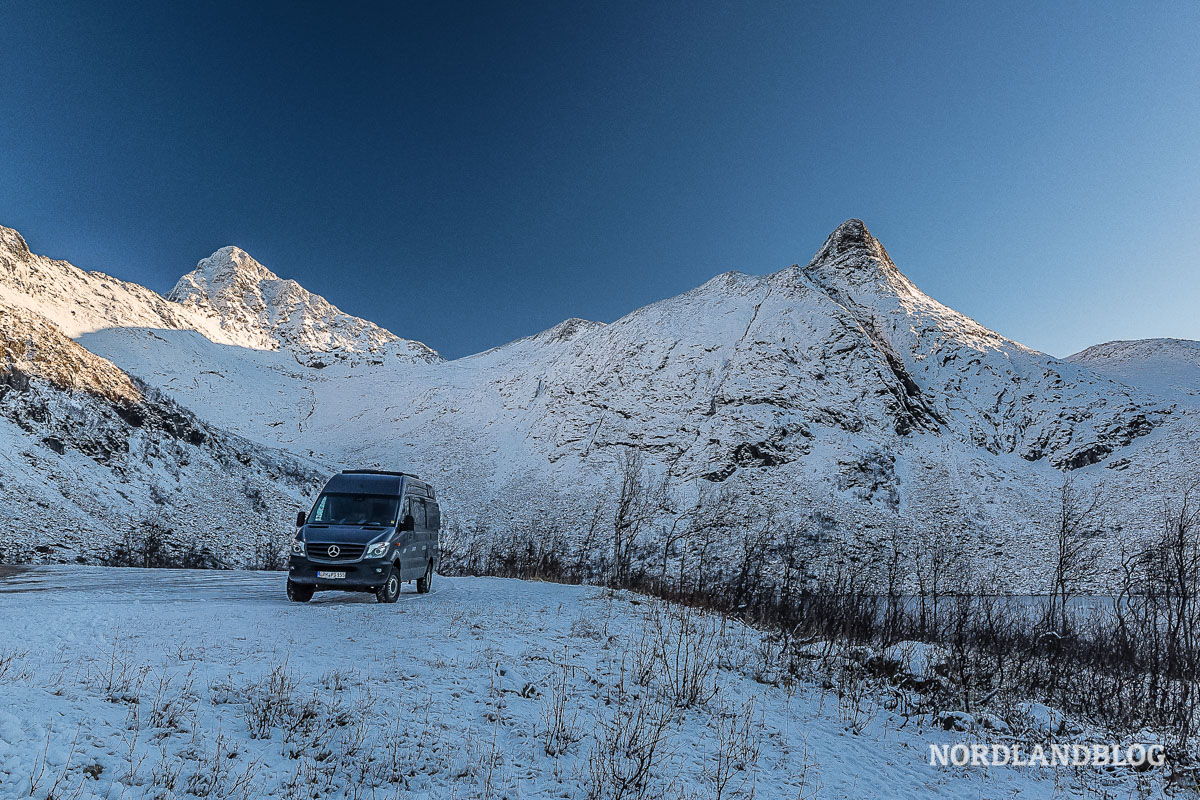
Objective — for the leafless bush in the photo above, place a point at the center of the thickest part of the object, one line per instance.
(631, 514)
(307, 732)
(12, 664)
(857, 696)
(338, 680)
(731, 767)
(629, 748)
(166, 771)
(269, 553)
(677, 654)
(1075, 549)
(560, 722)
(221, 773)
(56, 785)
(117, 674)
(584, 627)
(171, 706)
(270, 701)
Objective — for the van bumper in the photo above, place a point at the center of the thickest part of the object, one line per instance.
(360, 575)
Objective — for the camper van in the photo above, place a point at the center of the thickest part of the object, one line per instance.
(368, 531)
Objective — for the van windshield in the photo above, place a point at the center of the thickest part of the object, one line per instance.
(355, 509)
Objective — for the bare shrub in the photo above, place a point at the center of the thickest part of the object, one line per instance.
(560, 722)
(677, 654)
(270, 553)
(629, 748)
(632, 512)
(857, 697)
(151, 543)
(12, 664)
(116, 675)
(171, 707)
(270, 701)
(338, 680)
(731, 767)
(166, 772)
(222, 774)
(307, 732)
(1075, 548)
(53, 785)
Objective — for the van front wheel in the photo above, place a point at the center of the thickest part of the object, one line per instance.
(299, 592)
(426, 580)
(390, 591)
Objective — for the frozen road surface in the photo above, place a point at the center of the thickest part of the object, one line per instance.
(127, 683)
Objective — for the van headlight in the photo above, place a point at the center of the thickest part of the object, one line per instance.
(377, 550)
(298, 548)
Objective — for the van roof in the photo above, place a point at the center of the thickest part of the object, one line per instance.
(378, 472)
(374, 481)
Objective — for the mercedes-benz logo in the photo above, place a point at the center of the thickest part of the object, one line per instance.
(334, 550)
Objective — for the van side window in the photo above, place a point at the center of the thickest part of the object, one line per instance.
(433, 515)
(418, 512)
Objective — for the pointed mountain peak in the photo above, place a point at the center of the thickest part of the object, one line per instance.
(228, 272)
(233, 262)
(256, 308)
(851, 237)
(13, 242)
(851, 256)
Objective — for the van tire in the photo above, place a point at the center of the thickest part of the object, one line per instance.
(299, 592)
(389, 592)
(426, 580)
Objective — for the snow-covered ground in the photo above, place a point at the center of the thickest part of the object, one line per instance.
(123, 683)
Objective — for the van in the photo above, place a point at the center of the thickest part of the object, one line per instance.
(368, 531)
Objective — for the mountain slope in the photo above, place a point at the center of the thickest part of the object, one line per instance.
(1166, 367)
(88, 457)
(81, 302)
(835, 391)
(999, 394)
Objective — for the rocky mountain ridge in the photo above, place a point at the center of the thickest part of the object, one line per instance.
(836, 389)
(254, 305)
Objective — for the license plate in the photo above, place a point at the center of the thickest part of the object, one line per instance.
(323, 574)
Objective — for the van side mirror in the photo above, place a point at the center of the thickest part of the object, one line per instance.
(301, 518)
(408, 523)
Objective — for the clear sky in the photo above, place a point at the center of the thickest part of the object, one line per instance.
(466, 174)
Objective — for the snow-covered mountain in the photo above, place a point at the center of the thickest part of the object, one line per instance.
(835, 388)
(1166, 367)
(258, 309)
(89, 455)
(229, 299)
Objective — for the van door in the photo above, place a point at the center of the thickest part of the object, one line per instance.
(426, 537)
(412, 565)
(433, 516)
(404, 539)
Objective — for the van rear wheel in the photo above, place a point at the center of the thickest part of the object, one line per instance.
(426, 580)
(389, 592)
(299, 592)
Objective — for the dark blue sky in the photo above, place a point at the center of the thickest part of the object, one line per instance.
(468, 174)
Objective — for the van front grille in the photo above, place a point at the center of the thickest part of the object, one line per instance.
(343, 551)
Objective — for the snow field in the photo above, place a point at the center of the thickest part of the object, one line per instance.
(198, 684)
